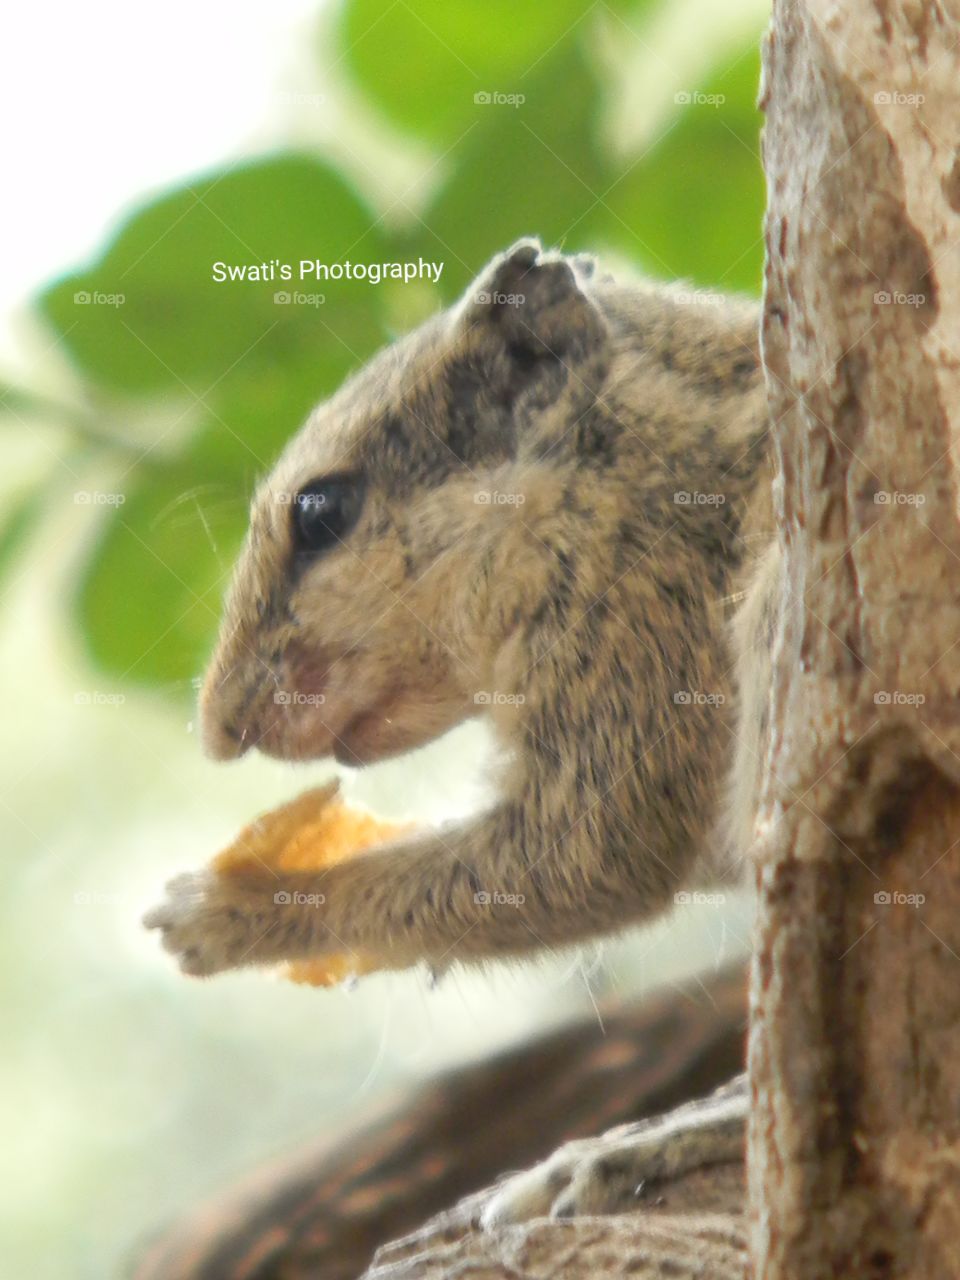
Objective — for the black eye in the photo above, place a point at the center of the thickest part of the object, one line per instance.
(325, 511)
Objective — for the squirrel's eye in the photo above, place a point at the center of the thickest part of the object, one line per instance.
(325, 511)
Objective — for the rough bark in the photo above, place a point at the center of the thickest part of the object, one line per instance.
(681, 1241)
(855, 1033)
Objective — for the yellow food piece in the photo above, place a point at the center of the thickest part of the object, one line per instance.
(313, 831)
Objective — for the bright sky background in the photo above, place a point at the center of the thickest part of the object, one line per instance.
(106, 100)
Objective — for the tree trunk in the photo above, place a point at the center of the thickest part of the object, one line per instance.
(855, 1033)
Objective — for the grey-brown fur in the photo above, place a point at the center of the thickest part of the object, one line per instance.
(587, 610)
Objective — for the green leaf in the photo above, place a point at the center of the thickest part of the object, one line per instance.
(534, 170)
(149, 603)
(692, 208)
(149, 318)
(424, 61)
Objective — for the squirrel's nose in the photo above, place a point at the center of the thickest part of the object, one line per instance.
(224, 732)
(222, 740)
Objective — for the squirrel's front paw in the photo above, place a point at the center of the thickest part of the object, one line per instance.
(211, 923)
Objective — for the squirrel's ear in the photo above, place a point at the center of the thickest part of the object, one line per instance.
(532, 304)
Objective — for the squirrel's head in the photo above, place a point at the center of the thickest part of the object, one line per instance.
(365, 614)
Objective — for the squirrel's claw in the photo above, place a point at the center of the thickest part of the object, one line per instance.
(206, 926)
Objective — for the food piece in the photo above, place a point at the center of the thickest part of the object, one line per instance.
(313, 831)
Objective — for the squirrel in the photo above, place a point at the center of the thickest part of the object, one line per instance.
(550, 504)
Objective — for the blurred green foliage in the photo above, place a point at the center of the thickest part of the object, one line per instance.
(241, 372)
